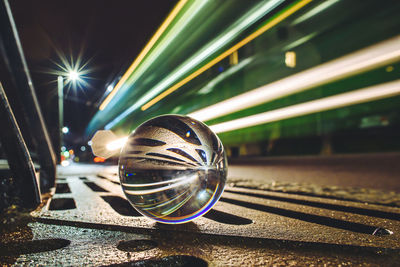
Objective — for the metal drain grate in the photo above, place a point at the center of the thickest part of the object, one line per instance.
(247, 227)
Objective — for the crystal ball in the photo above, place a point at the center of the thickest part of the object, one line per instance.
(173, 169)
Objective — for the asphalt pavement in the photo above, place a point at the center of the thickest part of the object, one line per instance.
(373, 171)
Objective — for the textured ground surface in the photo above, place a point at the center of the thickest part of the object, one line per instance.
(276, 221)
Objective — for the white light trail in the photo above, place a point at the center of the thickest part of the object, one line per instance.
(363, 60)
(333, 102)
(248, 19)
(214, 45)
(318, 9)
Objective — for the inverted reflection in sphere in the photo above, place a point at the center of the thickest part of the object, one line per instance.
(173, 169)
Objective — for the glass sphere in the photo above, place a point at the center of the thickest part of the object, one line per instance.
(173, 169)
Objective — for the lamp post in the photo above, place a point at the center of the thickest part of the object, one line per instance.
(72, 76)
(60, 86)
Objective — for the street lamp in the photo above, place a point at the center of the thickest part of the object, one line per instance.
(60, 86)
(73, 76)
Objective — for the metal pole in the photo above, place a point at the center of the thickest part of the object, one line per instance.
(15, 76)
(24, 183)
(60, 84)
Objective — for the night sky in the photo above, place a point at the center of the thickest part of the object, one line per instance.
(108, 35)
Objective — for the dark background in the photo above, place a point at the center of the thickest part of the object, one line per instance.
(107, 35)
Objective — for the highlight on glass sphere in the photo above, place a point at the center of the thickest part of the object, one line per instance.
(173, 169)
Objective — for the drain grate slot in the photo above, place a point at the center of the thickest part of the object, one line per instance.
(62, 188)
(226, 218)
(121, 206)
(95, 187)
(322, 220)
(62, 204)
(361, 211)
(177, 260)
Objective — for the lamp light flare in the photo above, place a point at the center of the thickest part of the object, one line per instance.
(116, 144)
(73, 75)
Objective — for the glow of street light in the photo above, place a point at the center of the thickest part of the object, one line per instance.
(73, 75)
(65, 129)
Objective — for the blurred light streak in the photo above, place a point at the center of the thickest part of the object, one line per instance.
(300, 41)
(182, 22)
(144, 52)
(117, 144)
(232, 70)
(328, 103)
(248, 19)
(318, 9)
(275, 20)
(363, 60)
(269, 24)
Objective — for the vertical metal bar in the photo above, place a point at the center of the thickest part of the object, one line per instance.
(19, 80)
(60, 84)
(18, 156)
